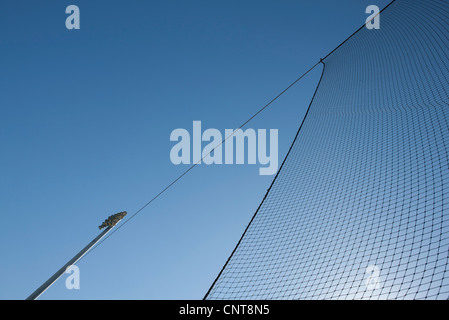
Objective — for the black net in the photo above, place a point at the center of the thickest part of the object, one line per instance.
(360, 208)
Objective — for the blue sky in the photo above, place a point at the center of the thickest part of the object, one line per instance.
(85, 121)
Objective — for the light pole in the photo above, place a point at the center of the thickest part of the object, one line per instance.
(108, 224)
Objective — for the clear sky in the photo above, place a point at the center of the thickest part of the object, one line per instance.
(85, 121)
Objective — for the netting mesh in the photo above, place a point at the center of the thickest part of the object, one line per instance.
(360, 208)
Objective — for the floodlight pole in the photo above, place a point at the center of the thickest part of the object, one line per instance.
(59, 273)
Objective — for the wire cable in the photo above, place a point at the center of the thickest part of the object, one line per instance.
(226, 138)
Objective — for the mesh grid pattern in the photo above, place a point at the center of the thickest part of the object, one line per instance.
(366, 182)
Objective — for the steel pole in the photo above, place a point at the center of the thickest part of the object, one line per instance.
(59, 273)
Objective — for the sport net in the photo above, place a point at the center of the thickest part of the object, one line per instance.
(360, 207)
